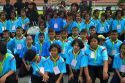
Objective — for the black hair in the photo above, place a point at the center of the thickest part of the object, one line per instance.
(84, 31)
(122, 13)
(3, 48)
(29, 55)
(41, 34)
(121, 45)
(92, 27)
(51, 30)
(103, 14)
(55, 46)
(80, 43)
(58, 33)
(91, 37)
(64, 30)
(75, 27)
(114, 31)
(95, 11)
(19, 27)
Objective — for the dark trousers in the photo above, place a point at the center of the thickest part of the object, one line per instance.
(12, 79)
(96, 72)
(116, 79)
(110, 69)
(36, 79)
(23, 71)
(18, 61)
(76, 75)
(53, 78)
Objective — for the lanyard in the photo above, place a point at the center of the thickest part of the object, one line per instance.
(55, 60)
(2, 62)
(95, 53)
(79, 26)
(113, 43)
(75, 54)
(102, 24)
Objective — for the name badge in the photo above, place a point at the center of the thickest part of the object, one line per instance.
(113, 52)
(55, 25)
(42, 70)
(23, 26)
(56, 70)
(3, 28)
(13, 27)
(19, 46)
(92, 55)
(118, 26)
(102, 29)
(74, 62)
(123, 68)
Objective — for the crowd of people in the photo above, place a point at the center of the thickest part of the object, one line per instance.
(80, 43)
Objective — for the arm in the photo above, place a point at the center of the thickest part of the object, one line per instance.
(59, 78)
(118, 73)
(105, 67)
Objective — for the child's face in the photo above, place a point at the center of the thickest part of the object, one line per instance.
(78, 17)
(94, 43)
(19, 32)
(103, 18)
(76, 46)
(58, 36)
(52, 34)
(114, 35)
(123, 49)
(3, 16)
(119, 14)
(108, 13)
(41, 38)
(42, 28)
(84, 13)
(74, 8)
(23, 13)
(64, 34)
(5, 34)
(54, 51)
(83, 35)
(87, 17)
(29, 40)
(75, 31)
(92, 31)
(12, 15)
(97, 14)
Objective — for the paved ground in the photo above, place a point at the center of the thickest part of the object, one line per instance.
(27, 80)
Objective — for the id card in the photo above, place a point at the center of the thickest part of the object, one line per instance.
(55, 25)
(113, 52)
(102, 29)
(118, 26)
(56, 70)
(123, 68)
(42, 70)
(23, 26)
(19, 46)
(74, 62)
(92, 55)
(13, 27)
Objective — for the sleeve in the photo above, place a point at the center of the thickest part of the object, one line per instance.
(35, 67)
(63, 66)
(68, 61)
(13, 64)
(115, 64)
(104, 54)
(84, 61)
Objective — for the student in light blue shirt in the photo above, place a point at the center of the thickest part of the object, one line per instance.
(97, 61)
(119, 23)
(79, 22)
(7, 66)
(19, 41)
(55, 65)
(3, 22)
(73, 59)
(13, 24)
(102, 27)
(56, 23)
(23, 21)
(8, 40)
(88, 23)
(112, 45)
(118, 65)
(95, 18)
(109, 18)
(42, 26)
(38, 64)
(70, 23)
(41, 45)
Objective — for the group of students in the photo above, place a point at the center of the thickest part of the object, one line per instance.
(78, 45)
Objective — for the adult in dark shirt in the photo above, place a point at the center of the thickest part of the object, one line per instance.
(8, 8)
(18, 6)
